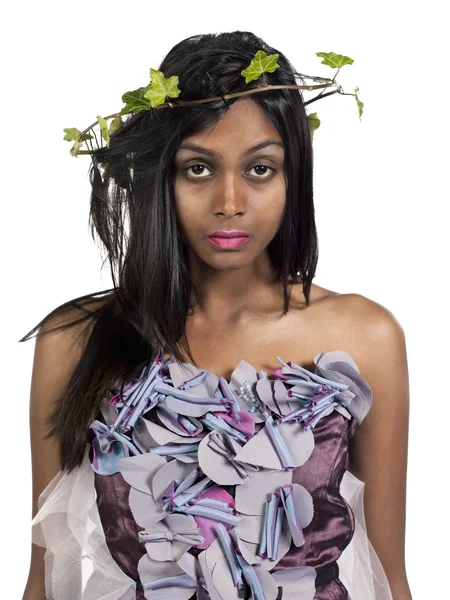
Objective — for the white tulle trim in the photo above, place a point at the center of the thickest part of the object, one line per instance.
(360, 569)
(79, 566)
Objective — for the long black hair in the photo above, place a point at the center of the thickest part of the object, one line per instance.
(132, 213)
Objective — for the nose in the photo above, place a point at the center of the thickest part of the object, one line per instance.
(230, 196)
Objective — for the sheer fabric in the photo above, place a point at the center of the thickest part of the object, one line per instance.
(360, 569)
(79, 566)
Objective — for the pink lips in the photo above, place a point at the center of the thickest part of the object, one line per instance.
(228, 240)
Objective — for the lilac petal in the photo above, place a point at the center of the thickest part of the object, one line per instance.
(190, 565)
(151, 571)
(156, 435)
(340, 367)
(242, 373)
(273, 394)
(213, 553)
(146, 511)
(107, 454)
(205, 382)
(213, 594)
(180, 424)
(216, 455)
(139, 470)
(297, 582)
(170, 471)
(284, 544)
(171, 537)
(251, 496)
(187, 458)
(175, 449)
(250, 527)
(259, 450)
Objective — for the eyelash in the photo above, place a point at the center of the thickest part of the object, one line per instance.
(203, 177)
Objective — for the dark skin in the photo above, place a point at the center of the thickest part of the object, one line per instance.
(239, 316)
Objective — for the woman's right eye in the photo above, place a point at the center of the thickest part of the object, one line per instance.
(194, 167)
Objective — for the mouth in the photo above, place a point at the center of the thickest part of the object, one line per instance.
(224, 233)
(228, 242)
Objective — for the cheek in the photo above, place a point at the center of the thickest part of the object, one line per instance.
(188, 216)
(270, 215)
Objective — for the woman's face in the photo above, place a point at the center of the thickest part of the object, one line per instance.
(224, 184)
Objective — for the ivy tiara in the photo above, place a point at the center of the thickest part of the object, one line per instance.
(154, 96)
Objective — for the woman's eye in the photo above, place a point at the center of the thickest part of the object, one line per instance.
(264, 167)
(196, 167)
(200, 175)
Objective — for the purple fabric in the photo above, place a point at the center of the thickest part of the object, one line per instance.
(332, 527)
(121, 530)
(325, 537)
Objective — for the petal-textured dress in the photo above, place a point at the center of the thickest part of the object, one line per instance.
(193, 486)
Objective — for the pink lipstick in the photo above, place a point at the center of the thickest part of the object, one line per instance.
(228, 240)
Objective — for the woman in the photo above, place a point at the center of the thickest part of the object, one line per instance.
(215, 416)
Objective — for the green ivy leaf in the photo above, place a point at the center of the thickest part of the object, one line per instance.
(115, 125)
(358, 102)
(135, 101)
(261, 63)
(104, 128)
(160, 87)
(313, 123)
(334, 60)
(72, 134)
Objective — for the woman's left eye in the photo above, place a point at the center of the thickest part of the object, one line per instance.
(264, 167)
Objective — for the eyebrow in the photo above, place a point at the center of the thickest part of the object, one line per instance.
(212, 154)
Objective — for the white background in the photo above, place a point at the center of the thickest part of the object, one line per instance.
(381, 197)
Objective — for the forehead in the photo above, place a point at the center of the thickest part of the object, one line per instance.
(243, 125)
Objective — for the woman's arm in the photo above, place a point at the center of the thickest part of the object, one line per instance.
(379, 447)
(55, 357)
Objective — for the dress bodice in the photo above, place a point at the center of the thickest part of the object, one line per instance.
(221, 489)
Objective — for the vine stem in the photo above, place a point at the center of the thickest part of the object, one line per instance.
(216, 98)
(332, 81)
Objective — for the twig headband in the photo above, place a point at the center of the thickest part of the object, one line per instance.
(153, 96)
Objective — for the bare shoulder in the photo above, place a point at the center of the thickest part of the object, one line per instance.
(364, 328)
(370, 333)
(71, 322)
(377, 323)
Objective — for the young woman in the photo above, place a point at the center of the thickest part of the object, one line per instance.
(215, 417)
